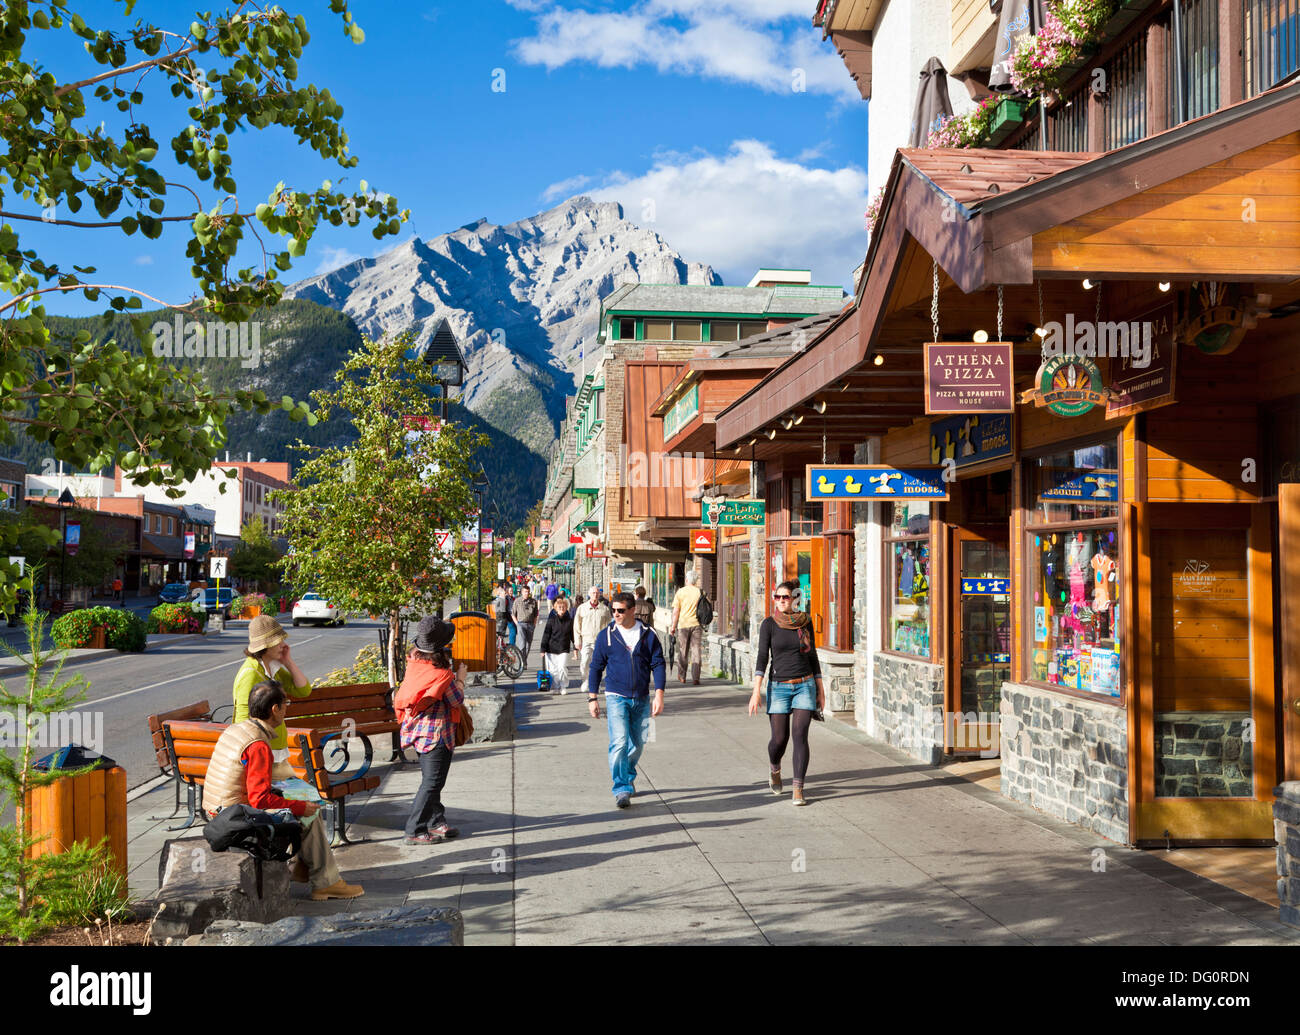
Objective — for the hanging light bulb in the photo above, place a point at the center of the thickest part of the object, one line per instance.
(1041, 332)
(843, 385)
(798, 418)
(819, 405)
(981, 336)
(787, 423)
(878, 359)
(1088, 284)
(1164, 285)
(771, 433)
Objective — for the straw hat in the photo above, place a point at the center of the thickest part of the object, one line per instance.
(263, 632)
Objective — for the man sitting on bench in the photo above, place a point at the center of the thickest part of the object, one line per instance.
(240, 773)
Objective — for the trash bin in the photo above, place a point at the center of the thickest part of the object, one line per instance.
(475, 642)
(84, 808)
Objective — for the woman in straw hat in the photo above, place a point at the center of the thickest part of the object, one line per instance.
(267, 658)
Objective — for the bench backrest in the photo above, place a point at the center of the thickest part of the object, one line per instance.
(328, 706)
(193, 743)
(198, 710)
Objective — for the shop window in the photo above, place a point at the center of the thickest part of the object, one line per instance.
(1272, 51)
(1074, 570)
(908, 579)
(726, 591)
(686, 330)
(1126, 95)
(658, 330)
(724, 330)
(740, 596)
(626, 329)
(805, 518)
(833, 552)
(9, 492)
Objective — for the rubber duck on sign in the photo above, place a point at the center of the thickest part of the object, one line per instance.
(852, 487)
(825, 487)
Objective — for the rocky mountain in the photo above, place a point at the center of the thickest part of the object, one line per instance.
(522, 299)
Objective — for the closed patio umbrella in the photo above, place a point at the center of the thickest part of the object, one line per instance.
(1016, 18)
(932, 102)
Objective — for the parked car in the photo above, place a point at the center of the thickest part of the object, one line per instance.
(312, 607)
(174, 593)
(214, 600)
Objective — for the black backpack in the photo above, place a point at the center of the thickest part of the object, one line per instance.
(704, 611)
(269, 836)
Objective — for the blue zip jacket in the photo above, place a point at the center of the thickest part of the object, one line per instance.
(627, 673)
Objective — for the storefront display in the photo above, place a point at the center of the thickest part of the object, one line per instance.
(908, 561)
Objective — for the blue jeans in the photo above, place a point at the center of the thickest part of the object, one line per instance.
(512, 632)
(629, 728)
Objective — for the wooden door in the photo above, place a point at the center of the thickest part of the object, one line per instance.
(1210, 697)
(981, 640)
(1288, 505)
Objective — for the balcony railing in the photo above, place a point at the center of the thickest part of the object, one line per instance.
(1272, 51)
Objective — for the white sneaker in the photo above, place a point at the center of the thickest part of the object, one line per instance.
(564, 691)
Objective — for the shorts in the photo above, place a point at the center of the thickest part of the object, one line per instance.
(784, 697)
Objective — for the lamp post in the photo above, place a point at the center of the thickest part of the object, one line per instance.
(66, 500)
(480, 485)
(443, 356)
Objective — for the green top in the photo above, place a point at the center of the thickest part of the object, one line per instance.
(249, 675)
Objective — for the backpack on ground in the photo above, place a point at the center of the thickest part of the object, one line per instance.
(704, 611)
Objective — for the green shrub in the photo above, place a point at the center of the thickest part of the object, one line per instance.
(124, 630)
(236, 606)
(368, 668)
(176, 618)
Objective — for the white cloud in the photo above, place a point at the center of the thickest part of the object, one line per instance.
(144, 260)
(332, 258)
(732, 40)
(751, 208)
(565, 188)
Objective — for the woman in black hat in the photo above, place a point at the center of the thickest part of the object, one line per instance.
(428, 706)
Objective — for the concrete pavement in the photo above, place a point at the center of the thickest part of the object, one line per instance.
(887, 852)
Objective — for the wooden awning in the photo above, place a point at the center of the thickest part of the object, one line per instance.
(1032, 221)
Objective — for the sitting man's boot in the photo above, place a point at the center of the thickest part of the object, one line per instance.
(340, 890)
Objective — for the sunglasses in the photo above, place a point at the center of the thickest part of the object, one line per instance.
(784, 596)
(620, 610)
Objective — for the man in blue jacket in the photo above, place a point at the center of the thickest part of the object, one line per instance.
(628, 654)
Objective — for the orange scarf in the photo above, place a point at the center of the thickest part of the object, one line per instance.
(423, 679)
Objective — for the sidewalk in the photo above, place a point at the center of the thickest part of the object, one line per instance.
(887, 852)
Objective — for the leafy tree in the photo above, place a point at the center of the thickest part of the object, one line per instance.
(256, 559)
(65, 144)
(96, 557)
(362, 519)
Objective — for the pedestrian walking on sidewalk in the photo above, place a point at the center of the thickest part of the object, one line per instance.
(525, 614)
(267, 657)
(117, 589)
(428, 706)
(629, 656)
(557, 642)
(794, 688)
(592, 616)
(685, 623)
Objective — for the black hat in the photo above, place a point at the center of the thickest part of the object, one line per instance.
(432, 634)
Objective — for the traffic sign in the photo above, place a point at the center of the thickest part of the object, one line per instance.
(444, 540)
(217, 567)
(703, 540)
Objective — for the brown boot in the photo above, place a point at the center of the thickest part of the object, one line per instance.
(797, 797)
(340, 890)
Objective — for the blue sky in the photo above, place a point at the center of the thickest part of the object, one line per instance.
(732, 117)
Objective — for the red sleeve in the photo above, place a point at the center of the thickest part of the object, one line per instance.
(257, 781)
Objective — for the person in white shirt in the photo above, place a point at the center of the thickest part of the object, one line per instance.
(592, 616)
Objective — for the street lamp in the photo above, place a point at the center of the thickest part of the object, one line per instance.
(66, 499)
(480, 485)
(443, 356)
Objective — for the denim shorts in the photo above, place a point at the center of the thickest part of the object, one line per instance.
(785, 697)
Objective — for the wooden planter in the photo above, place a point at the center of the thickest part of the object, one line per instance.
(85, 809)
(251, 611)
(98, 638)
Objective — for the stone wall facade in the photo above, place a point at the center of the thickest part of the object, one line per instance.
(1067, 757)
(1204, 755)
(907, 696)
(866, 598)
(1286, 830)
(731, 656)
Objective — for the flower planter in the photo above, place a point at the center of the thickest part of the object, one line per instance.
(1009, 116)
(98, 638)
(252, 611)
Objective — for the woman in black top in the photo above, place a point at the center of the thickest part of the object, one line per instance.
(787, 639)
(557, 642)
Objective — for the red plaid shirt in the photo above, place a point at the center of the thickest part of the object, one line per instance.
(434, 726)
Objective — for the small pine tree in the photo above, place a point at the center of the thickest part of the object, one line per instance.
(34, 893)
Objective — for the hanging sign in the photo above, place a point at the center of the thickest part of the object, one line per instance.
(734, 512)
(1095, 487)
(1219, 314)
(703, 540)
(1068, 385)
(971, 440)
(969, 377)
(575, 537)
(1136, 388)
(72, 538)
(863, 482)
(486, 546)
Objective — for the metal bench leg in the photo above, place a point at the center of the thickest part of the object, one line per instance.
(176, 806)
(191, 802)
(341, 825)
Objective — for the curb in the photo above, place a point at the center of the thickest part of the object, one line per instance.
(85, 657)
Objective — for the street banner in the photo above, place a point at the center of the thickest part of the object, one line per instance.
(501, 569)
(575, 537)
(703, 540)
(189, 544)
(734, 512)
(862, 482)
(419, 424)
(72, 538)
(545, 526)
(969, 377)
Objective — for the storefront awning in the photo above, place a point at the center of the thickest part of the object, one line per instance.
(565, 555)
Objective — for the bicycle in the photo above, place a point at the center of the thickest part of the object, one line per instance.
(510, 660)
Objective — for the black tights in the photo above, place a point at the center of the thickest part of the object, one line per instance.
(781, 737)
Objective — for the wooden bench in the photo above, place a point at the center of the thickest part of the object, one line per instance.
(201, 711)
(191, 743)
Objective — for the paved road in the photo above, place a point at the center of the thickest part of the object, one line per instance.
(126, 688)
